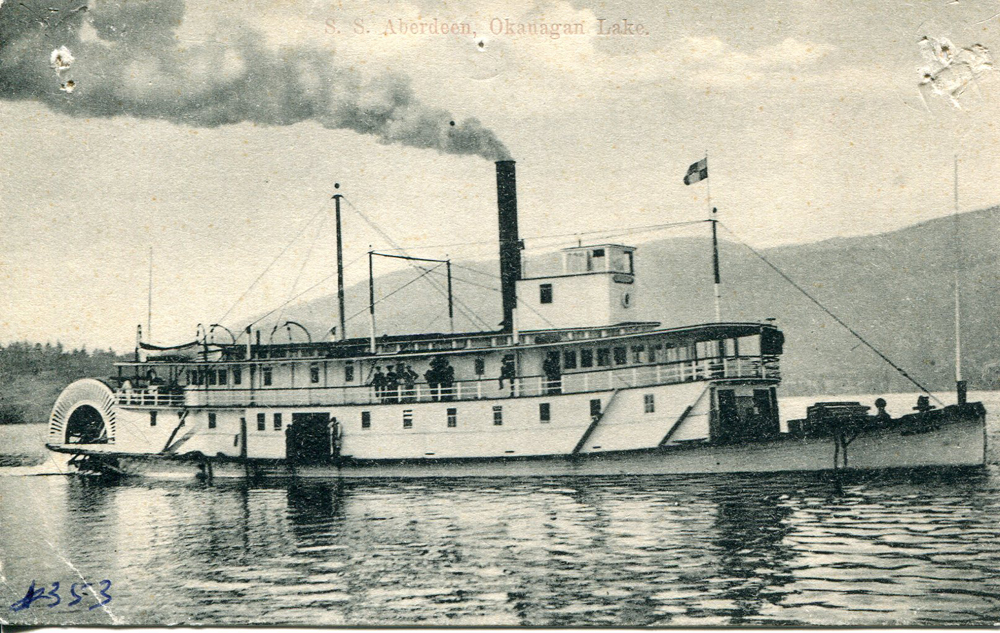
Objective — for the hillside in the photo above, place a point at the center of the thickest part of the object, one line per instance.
(895, 289)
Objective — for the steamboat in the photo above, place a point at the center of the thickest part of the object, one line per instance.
(570, 384)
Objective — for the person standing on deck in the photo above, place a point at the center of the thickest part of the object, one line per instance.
(507, 371)
(378, 383)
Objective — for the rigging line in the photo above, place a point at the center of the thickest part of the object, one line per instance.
(439, 315)
(899, 369)
(307, 290)
(638, 229)
(412, 281)
(273, 261)
(519, 300)
(305, 260)
(466, 312)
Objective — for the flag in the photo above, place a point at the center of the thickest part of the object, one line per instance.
(697, 172)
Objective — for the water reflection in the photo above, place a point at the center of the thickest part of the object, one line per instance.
(600, 551)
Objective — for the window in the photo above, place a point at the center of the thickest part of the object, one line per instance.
(452, 418)
(348, 372)
(223, 377)
(211, 420)
(603, 357)
(366, 419)
(656, 353)
(152, 418)
(195, 377)
(498, 415)
(649, 405)
(708, 349)
(261, 422)
(545, 293)
(480, 366)
(569, 359)
(314, 373)
(621, 355)
(544, 412)
(407, 418)
(637, 351)
(237, 375)
(586, 358)
(211, 376)
(267, 376)
(277, 421)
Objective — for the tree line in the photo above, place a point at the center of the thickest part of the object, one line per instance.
(30, 373)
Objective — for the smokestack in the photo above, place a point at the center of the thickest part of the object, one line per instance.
(510, 244)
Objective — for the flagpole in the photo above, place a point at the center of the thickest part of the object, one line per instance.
(712, 211)
(960, 384)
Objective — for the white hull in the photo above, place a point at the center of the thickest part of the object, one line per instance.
(959, 441)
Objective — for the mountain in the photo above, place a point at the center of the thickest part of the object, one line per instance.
(894, 289)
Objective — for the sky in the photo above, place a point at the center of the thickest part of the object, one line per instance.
(213, 134)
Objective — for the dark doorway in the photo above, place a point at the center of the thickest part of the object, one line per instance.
(86, 426)
(308, 439)
(767, 418)
(595, 409)
(729, 415)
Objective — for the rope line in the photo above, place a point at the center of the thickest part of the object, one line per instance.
(273, 261)
(833, 316)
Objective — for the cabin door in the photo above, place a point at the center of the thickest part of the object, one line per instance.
(729, 415)
(308, 439)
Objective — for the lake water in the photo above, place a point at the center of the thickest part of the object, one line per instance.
(914, 549)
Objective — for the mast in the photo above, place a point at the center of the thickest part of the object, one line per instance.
(960, 385)
(451, 306)
(715, 246)
(149, 297)
(340, 267)
(371, 298)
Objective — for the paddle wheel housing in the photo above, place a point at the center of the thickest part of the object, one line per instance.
(85, 413)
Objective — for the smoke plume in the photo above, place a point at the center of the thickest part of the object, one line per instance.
(96, 58)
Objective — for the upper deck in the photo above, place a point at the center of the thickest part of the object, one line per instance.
(479, 366)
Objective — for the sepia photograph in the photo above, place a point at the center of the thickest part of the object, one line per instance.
(543, 313)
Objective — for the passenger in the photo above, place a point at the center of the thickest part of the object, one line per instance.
(447, 381)
(881, 417)
(409, 379)
(507, 372)
(553, 376)
(431, 376)
(378, 382)
(392, 386)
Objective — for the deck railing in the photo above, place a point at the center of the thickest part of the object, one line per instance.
(525, 386)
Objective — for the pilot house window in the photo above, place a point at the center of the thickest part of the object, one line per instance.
(314, 374)
(267, 376)
(545, 293)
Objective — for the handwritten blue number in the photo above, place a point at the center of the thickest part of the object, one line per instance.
(76, 597)
(105, 585)
(32, 595)
(53, 595)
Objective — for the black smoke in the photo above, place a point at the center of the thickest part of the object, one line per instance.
(131, 63)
